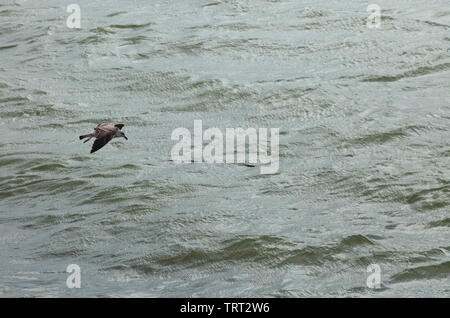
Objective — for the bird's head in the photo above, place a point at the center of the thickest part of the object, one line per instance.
(121, 134)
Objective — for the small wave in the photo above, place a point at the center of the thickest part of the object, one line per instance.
(8, 46)
(129, 26)
(435, 271)
(420, 71)
(441, 223)
(116, 13)
(430, 199)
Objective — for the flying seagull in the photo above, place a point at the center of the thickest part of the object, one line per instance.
(103, 133)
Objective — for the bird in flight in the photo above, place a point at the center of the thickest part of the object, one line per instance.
(103, 133)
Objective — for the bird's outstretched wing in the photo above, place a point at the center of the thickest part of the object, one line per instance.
(120, 126)
(105, 127)
(100, 142)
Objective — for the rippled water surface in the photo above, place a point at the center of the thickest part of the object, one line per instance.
(364, 175)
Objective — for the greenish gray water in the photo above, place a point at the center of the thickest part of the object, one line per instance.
(364, 148)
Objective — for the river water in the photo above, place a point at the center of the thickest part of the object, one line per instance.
(363, 115)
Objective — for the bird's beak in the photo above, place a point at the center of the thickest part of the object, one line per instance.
(125, 137)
